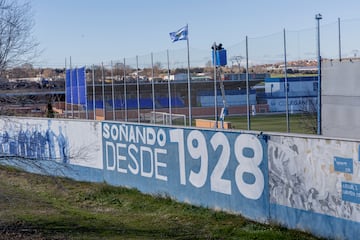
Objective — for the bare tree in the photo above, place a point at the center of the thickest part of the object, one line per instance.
(309, 116)
(17, 45)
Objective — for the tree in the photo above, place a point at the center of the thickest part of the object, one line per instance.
(208, 67)
(157, 68)
(309, 116)
(17, 45)
(47, 73)
(50, 112)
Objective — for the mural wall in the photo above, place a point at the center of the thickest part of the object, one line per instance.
(315, 175)
(62, 141)
(318, 177)
(223, 170)
(300, 181)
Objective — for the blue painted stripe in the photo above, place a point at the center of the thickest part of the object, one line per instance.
(320, 224)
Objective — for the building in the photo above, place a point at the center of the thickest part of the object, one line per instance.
(302, 94)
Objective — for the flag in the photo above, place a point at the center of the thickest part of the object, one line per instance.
(181, 34)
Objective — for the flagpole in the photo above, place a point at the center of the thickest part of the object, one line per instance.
(125, 93)
(189, 83)
(112, 91)
(78, 91)
(138, 88)
(247, 86)
(66, 112)
(86, 95)
(153, 86)
(94, 96)
(286, 86)
(183, 34)
(215, 88)
(71, 91)
(103, 89)
(169, 88)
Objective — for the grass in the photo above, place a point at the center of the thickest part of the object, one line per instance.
(41, 207)
(298, 123)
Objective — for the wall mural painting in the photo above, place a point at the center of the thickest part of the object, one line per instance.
(66, 142)
(29, 139)
(218, 169)
(317, 175)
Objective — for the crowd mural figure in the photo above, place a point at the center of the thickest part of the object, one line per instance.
(31, 141)
(63, 146)
(50, 139)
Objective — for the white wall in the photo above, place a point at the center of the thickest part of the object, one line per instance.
(341, 99)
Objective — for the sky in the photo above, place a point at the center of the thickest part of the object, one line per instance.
(93, 31)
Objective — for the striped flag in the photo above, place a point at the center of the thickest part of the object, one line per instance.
(181, 34)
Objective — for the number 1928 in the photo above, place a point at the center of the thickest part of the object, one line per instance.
(248, 152)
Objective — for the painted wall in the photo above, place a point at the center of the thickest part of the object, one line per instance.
(223, 170)
(68, 147)
(300, 181)
(314, 185)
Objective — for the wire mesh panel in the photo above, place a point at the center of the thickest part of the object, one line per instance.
(174, 81)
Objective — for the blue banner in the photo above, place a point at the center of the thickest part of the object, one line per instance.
(81, 77)
(76, 86)
(68, 86)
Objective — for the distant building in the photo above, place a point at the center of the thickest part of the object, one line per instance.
(302, 94)
(242, 76)
(177, 77)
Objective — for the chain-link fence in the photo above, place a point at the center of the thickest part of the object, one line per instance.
(129, 89)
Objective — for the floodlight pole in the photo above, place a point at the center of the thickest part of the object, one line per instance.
(318, 17)
(286, 86)
(339, 33)
(138, 88)
(247, 86)
(215, 87)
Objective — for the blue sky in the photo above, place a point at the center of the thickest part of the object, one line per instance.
(92, 31)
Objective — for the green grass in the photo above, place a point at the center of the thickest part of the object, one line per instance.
(298, 123)
(40, 207)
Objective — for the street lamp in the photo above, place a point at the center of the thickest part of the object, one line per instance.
(318, 17)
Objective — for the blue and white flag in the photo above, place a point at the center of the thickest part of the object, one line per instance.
(181, 34)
